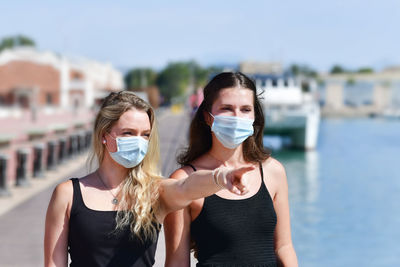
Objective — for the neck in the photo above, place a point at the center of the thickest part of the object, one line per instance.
(111, 172)
(227, 156)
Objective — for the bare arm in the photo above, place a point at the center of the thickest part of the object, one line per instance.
(56, 227)
(283, 241)
(177, 233)
(177, 194)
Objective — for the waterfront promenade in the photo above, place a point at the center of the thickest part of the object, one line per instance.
(22, 216)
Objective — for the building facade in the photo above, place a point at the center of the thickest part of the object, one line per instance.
(48, 103)
(30, 78)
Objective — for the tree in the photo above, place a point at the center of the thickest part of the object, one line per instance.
(365, 70)
(336, 69)
(173, 80)
(294, 69)
(139, 78)
(304, 70)
(14, 41)
(179, 77)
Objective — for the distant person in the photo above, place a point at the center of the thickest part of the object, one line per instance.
(112, 217)
(195, 100)
(193, 104)
(228, 229)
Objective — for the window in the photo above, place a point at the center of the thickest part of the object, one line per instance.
(286, 83)
(49, 99)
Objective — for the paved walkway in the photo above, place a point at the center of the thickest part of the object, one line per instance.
(22, 216)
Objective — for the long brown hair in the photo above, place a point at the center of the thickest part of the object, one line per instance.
(200, 139)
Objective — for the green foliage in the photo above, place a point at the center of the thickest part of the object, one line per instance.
(350, 81)
(337, 69)
(14, 41)
(140, 78)
(179, 77)
(303, 70)
(366, 70)
(173, 80)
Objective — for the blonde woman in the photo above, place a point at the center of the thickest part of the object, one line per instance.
(112, 216)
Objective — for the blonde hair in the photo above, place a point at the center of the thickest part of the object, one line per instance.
(139, 191)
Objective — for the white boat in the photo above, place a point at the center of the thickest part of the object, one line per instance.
(289, 111)
(391, 113)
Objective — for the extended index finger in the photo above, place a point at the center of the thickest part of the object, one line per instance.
(242, 170)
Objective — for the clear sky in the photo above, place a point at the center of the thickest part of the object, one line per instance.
(353, 33)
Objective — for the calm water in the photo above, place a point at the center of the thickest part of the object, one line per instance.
(345, 196)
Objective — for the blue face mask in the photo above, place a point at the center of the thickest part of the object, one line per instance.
(130, 151)
(231, 131)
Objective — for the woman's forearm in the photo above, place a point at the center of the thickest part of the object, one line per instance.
(178, 194)
(197, 185)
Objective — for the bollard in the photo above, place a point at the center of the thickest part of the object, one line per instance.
(3, 177)
(22, 162)
(88, 136)
(82, 138)
(76, 145)
(62, 150)
(73, 146)
(51, 155)
(67, 147)
(70, 146)
(38, 160)
(80, 143)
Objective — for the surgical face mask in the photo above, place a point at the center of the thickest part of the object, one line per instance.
(130, 150)
(231, 131)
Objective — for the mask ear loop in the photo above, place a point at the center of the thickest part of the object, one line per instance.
(213, 119)
(111, 136)
(105, 142)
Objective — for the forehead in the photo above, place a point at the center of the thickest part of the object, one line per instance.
(134, 119)
(235, 96)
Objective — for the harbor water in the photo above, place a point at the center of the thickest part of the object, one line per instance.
(345, 196)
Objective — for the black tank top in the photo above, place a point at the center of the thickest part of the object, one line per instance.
(236, 232)
(92, 240)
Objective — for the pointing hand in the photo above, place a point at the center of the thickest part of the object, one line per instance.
(233, 179)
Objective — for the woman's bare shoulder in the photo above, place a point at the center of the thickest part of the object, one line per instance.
(64, 189)
(274, 169)
(182, 172)
(273, 164)
(62, 196)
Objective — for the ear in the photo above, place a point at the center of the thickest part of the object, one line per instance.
(208, 118)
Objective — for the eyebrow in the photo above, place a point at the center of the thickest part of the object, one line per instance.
(229, 105)
(133, 130)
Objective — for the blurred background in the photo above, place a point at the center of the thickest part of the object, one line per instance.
(327, 72)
